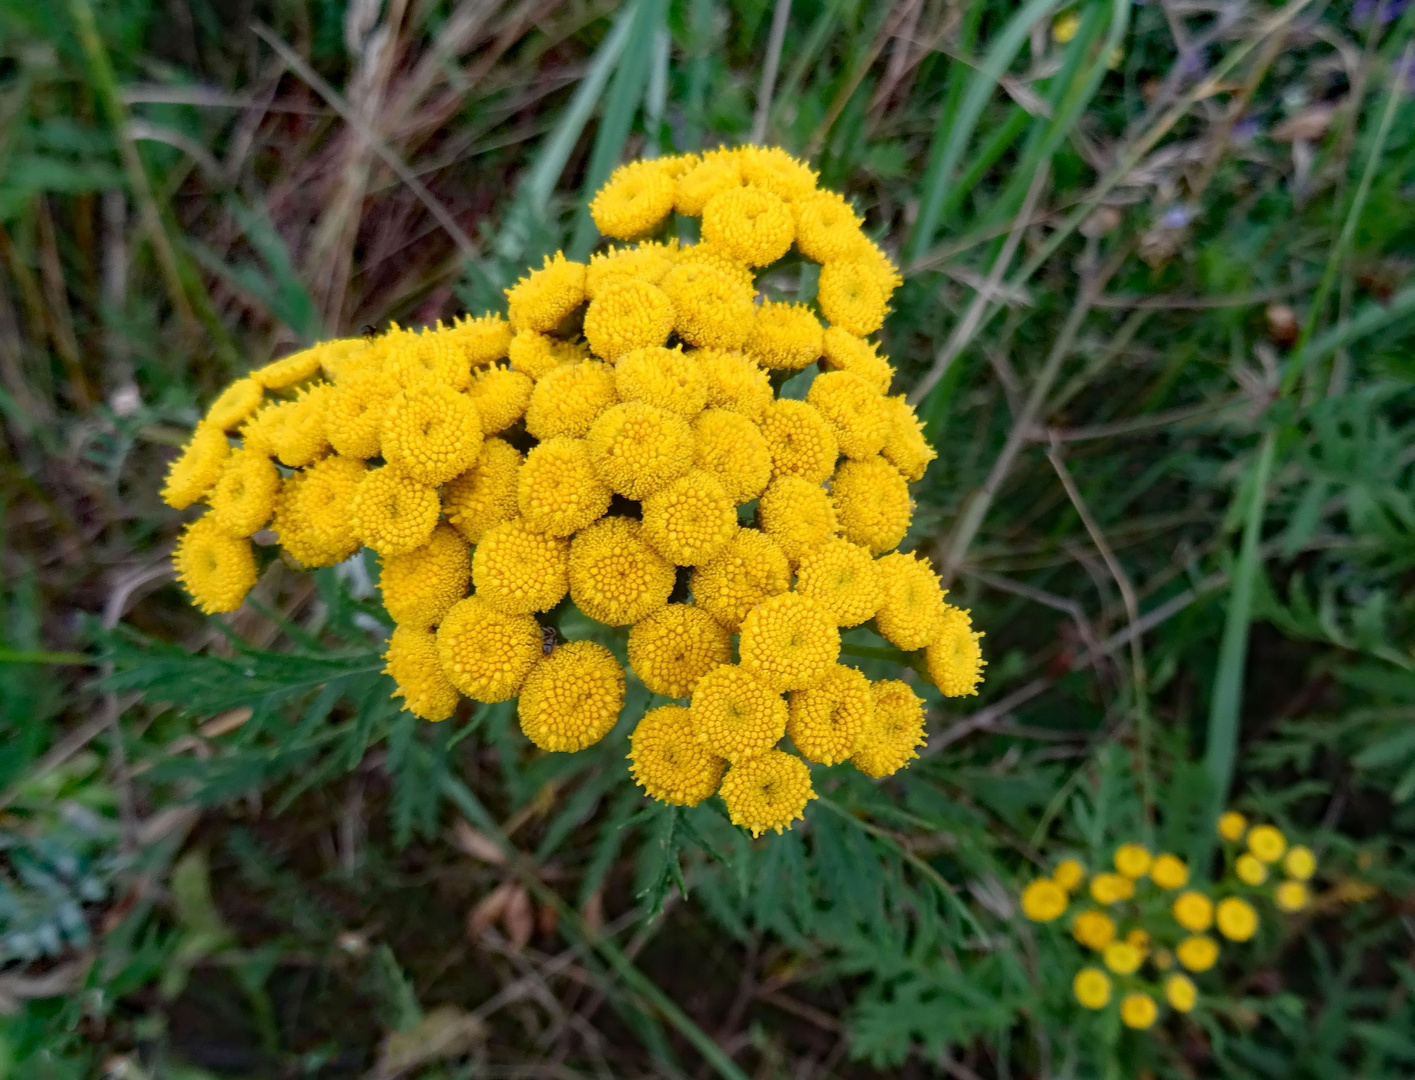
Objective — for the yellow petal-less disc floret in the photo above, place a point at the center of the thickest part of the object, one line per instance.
(1108, 888)
(353, 419)
(1193, 910)
(690, 520)
(572, 698)
(1236, 919)
(801, 442)
(485, 495)
(236, 404)
(1300, 863)
(428, 356)
(290, 370)
(749, 569)
(715, 172)
(260, 431)
(784, 336)
(637, 196)
(906, 448)
(893, 739)
(1181, 993)
(843, 579)
(1266, 842)
(749, 224)
(1091, 986)
(1197, 952)
(734, 715)
(501, 396)
(854, 411)
(646, 262)
(1069, 874)
(431, 433)
(535, 355)
(733, 450)
(1132, 860)
(1232, 825)
(487, 653)
(567, 400)
(712, 305)
(1138, 1010)
(1250, 871)
(662, 377)
(559, 492)
(216, 568)
(851, 296)
(243, 500)
(789, 642)
(872, 503)
(1093, 929)
(303, 437)
(393, 513)
(912, 609)
(615, 576)
(769, 791)
(828, 722)
(1291, 896)
(198, 468)
(668, 762)
(518, 570)
(313, 517)
(1043, 900)
(545, 296)
(412, 662)
(625, 315)
(827, 227)
(638, 449)
(420, 586)
(1169, 872)
(734, 382)
(1123, 957)
(843, 351)
(798, 515)
(676, 646)
(773, 169)
(482, 341)
(955, 658)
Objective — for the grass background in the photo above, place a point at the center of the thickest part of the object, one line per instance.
(1158, 316)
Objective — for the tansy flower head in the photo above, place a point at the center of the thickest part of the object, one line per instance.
(798, 515)
(420, 586)
(545, 296)
(676, 646)
(198, 468)
(638, 449)
(1169, 872)
(1266, 842)
(567, 400)
(801, 442)
(314, 514)
(615, 576)
(243, 499)
(484, 495)
(851, 296)
(843, 579)
(647, 262)
(518, 570)
(625, 315)
(853, 409)
(353, 419)
(428, 356)
(1069, 874)
(773, 169)
(1236, 919)
(715, 172)
(558, 491)
(501, 396)
(572, 698)
(955, 663)
(706, 254)
(344, 359)
(393, 513)
(784, 336)
(1091, 987)
(637, 196)
(662, 377)
(911, 610)
(1122, 957)
(712, 305)
(1193, 910)
(487, 653)
(302, 438)
(1300, 863)
(882, 267)
(668, 762)
(789, 642)
(734, 382)
(829, 721)
(534, 355)
(1132, 860)
(1291, 896)
(412, 662)
(1043, 900)
(481, 341)
(843, 351)
(236, 404)
(769, 791)
(431, 433)
(892, 740)
(749, 224)
(1093, 929)
(1110, 888)
(872, 503)
(1250, 871)
(827, 227)
(1138, 1010)
(293, 369)
(1181, 993)
(1232, 825)
(690, 520)
(732, 450)
(750, 568)
(1197, 952)
(734, 715)
(260, 431)
(216, 568)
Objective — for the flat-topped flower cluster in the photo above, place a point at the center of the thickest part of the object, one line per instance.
(606, 441)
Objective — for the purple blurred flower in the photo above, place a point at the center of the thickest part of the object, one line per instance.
(1364, 10)
(1176, 217)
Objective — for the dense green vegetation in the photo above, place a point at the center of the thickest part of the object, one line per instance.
(1159, 318)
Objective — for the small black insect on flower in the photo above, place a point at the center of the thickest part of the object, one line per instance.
(549, 638)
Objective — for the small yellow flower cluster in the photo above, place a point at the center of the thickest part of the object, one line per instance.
(599, 444)
(1143, 913)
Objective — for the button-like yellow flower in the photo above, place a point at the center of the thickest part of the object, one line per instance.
(733, 451)
(303, 438)
(1110, 888)
(545, 296)
(851, 297)
(749, 224)
(893, 739)
(1232, 825)
(481, 341)
(236, 404)
(296, 368)
(648, 261)
(314, 515)
(1181, 993)
(519, 571)
(827, 226)
(955, 658)
(789, 642)
(216, 568)
(1069, 874)
(690, 520)
(615, 576)
(768, 791)
(1091, 987)
(1291, 896)
(735, 382)
(1250, 870)
(853, 409)
(1132, 860)
(784, 336)
(1123, 958)
(676, 646)
(749, 569)
(638, 449)
(501, 396)
(715, 172)
(637, 196)
(1300, 863)
(668, 762)
(1138, 1011)
(1094, 929)
(828, 722)
(736, 716)
(393, 513)
(1169, 872)
(243, 500)
(353, 419)
(773, 169)
(1043, 900)
(1266, 842)
(911, 613)
(1193, 910)
(420, 586)
(662, 377)
(484, 495)
(412, 663)
(198, 468)
(627, 314)
(431, 433)
(485, 653)
(801, 442)
(559, 491)
(1236, 919)
(906, 448)
(712, 305)
(572, 698)
(872, 503)
(797, 514)
(1197, 952)
(843, 579)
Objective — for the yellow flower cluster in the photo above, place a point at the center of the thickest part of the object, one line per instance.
(601, 444)
(1152, 931)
